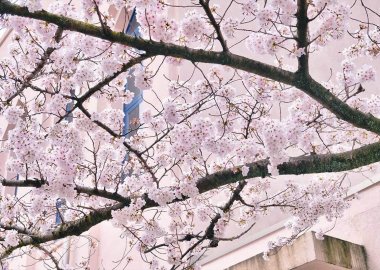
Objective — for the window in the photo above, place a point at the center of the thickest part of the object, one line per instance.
(133, 26)
(131, 110)
(69, 107)
(58, 215)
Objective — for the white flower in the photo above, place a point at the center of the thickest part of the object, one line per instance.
(244, 170)
(299, 52)
(11, 238)
(13, 114)
(319, 235)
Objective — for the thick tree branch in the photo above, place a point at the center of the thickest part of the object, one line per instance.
(312, 164)
(150, 46)
(103, 193)
(76, 227)
(23, 183)
(337, 106)
(345, 161)
(303, 165)
(299, 80)
(302, 35)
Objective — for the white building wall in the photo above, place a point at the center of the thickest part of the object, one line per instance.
(360, 225)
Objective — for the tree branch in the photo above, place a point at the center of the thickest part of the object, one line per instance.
(337, 106)
(312, 164)
(302, 32)
(79, 101)
(40, 65)
(303, 165)
(23, 183)
(206, 8)
(210, 230)
(103, 193)
(150, 46)
(76, 227)
(50, 255)
(299, 80)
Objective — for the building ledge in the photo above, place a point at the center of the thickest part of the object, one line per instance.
(308, 253)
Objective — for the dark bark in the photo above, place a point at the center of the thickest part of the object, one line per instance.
(302, 35)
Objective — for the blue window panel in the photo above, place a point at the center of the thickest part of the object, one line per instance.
(69, 107)
(59, 203)
(133, 26)
(58, 219)
(132, 107)
(129, 109)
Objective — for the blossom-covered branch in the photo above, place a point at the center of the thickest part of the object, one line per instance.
(301, 81)
(172, 113)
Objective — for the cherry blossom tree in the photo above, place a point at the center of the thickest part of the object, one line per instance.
(203, 156)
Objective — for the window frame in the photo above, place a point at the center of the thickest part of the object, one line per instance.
(132, 29)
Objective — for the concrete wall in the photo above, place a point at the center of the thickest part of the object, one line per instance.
(360, 225)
